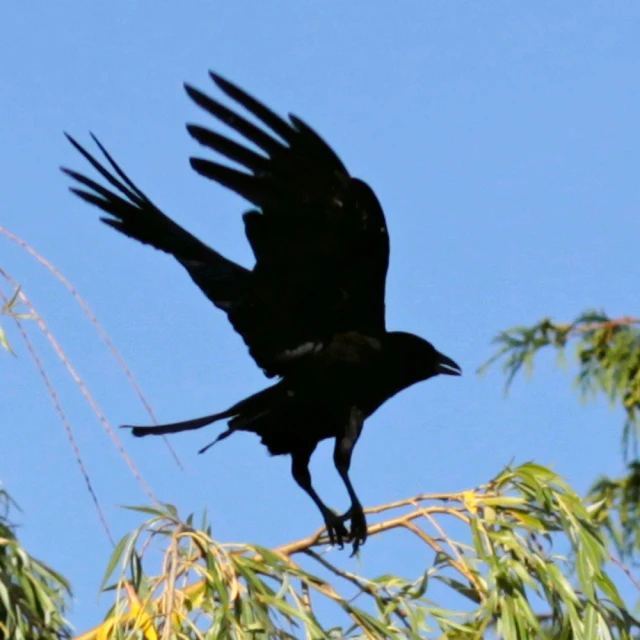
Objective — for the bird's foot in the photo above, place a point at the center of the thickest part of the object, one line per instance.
(358, 534)
(336, 530)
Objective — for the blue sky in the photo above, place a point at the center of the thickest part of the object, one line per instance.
(501, 139)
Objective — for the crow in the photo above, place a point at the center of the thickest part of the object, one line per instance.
(312, 309)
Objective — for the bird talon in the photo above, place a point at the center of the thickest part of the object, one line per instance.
(336, 530)
(358, 534)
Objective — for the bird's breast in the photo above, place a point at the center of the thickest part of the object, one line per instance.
(338, 371)
(350, 349)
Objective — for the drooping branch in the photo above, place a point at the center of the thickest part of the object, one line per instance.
(502, 555)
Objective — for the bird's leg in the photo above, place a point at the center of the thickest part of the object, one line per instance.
(342, 459)
(300, 472)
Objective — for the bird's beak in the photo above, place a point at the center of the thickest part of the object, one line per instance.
(447, 366)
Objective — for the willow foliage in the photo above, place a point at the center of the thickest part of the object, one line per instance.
(33, 596)
(607, 355)
(525, 531)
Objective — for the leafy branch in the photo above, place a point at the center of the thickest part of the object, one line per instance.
(522, 527)
(32, 595)
(607, 352)
(608, 357)
(9, 308)
(617, 509)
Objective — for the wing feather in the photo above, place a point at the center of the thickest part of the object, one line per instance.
(318, 235)
(130, 211)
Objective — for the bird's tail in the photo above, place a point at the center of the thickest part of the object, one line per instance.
(251, 414)
(132, 213)
(187, 425)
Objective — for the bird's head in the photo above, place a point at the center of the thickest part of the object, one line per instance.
(415, 359)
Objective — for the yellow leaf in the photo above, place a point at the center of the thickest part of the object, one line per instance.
(470, 501)
(141, 614)
(104, 630)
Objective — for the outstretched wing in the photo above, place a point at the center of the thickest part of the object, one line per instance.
(132, 213)
(319, 236)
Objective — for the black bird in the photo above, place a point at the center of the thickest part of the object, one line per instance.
(311, 310)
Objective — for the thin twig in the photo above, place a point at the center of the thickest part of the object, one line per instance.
(624, 569)
(363, 584)
(64, 419)
(444, 537)
(624, 321)
(317, 537)
(99, 328)
(462, 569)
(83, 389)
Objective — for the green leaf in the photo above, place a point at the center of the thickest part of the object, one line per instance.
(115, 558)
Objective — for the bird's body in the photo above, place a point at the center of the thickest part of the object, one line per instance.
(313, 404)
(311, 310)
